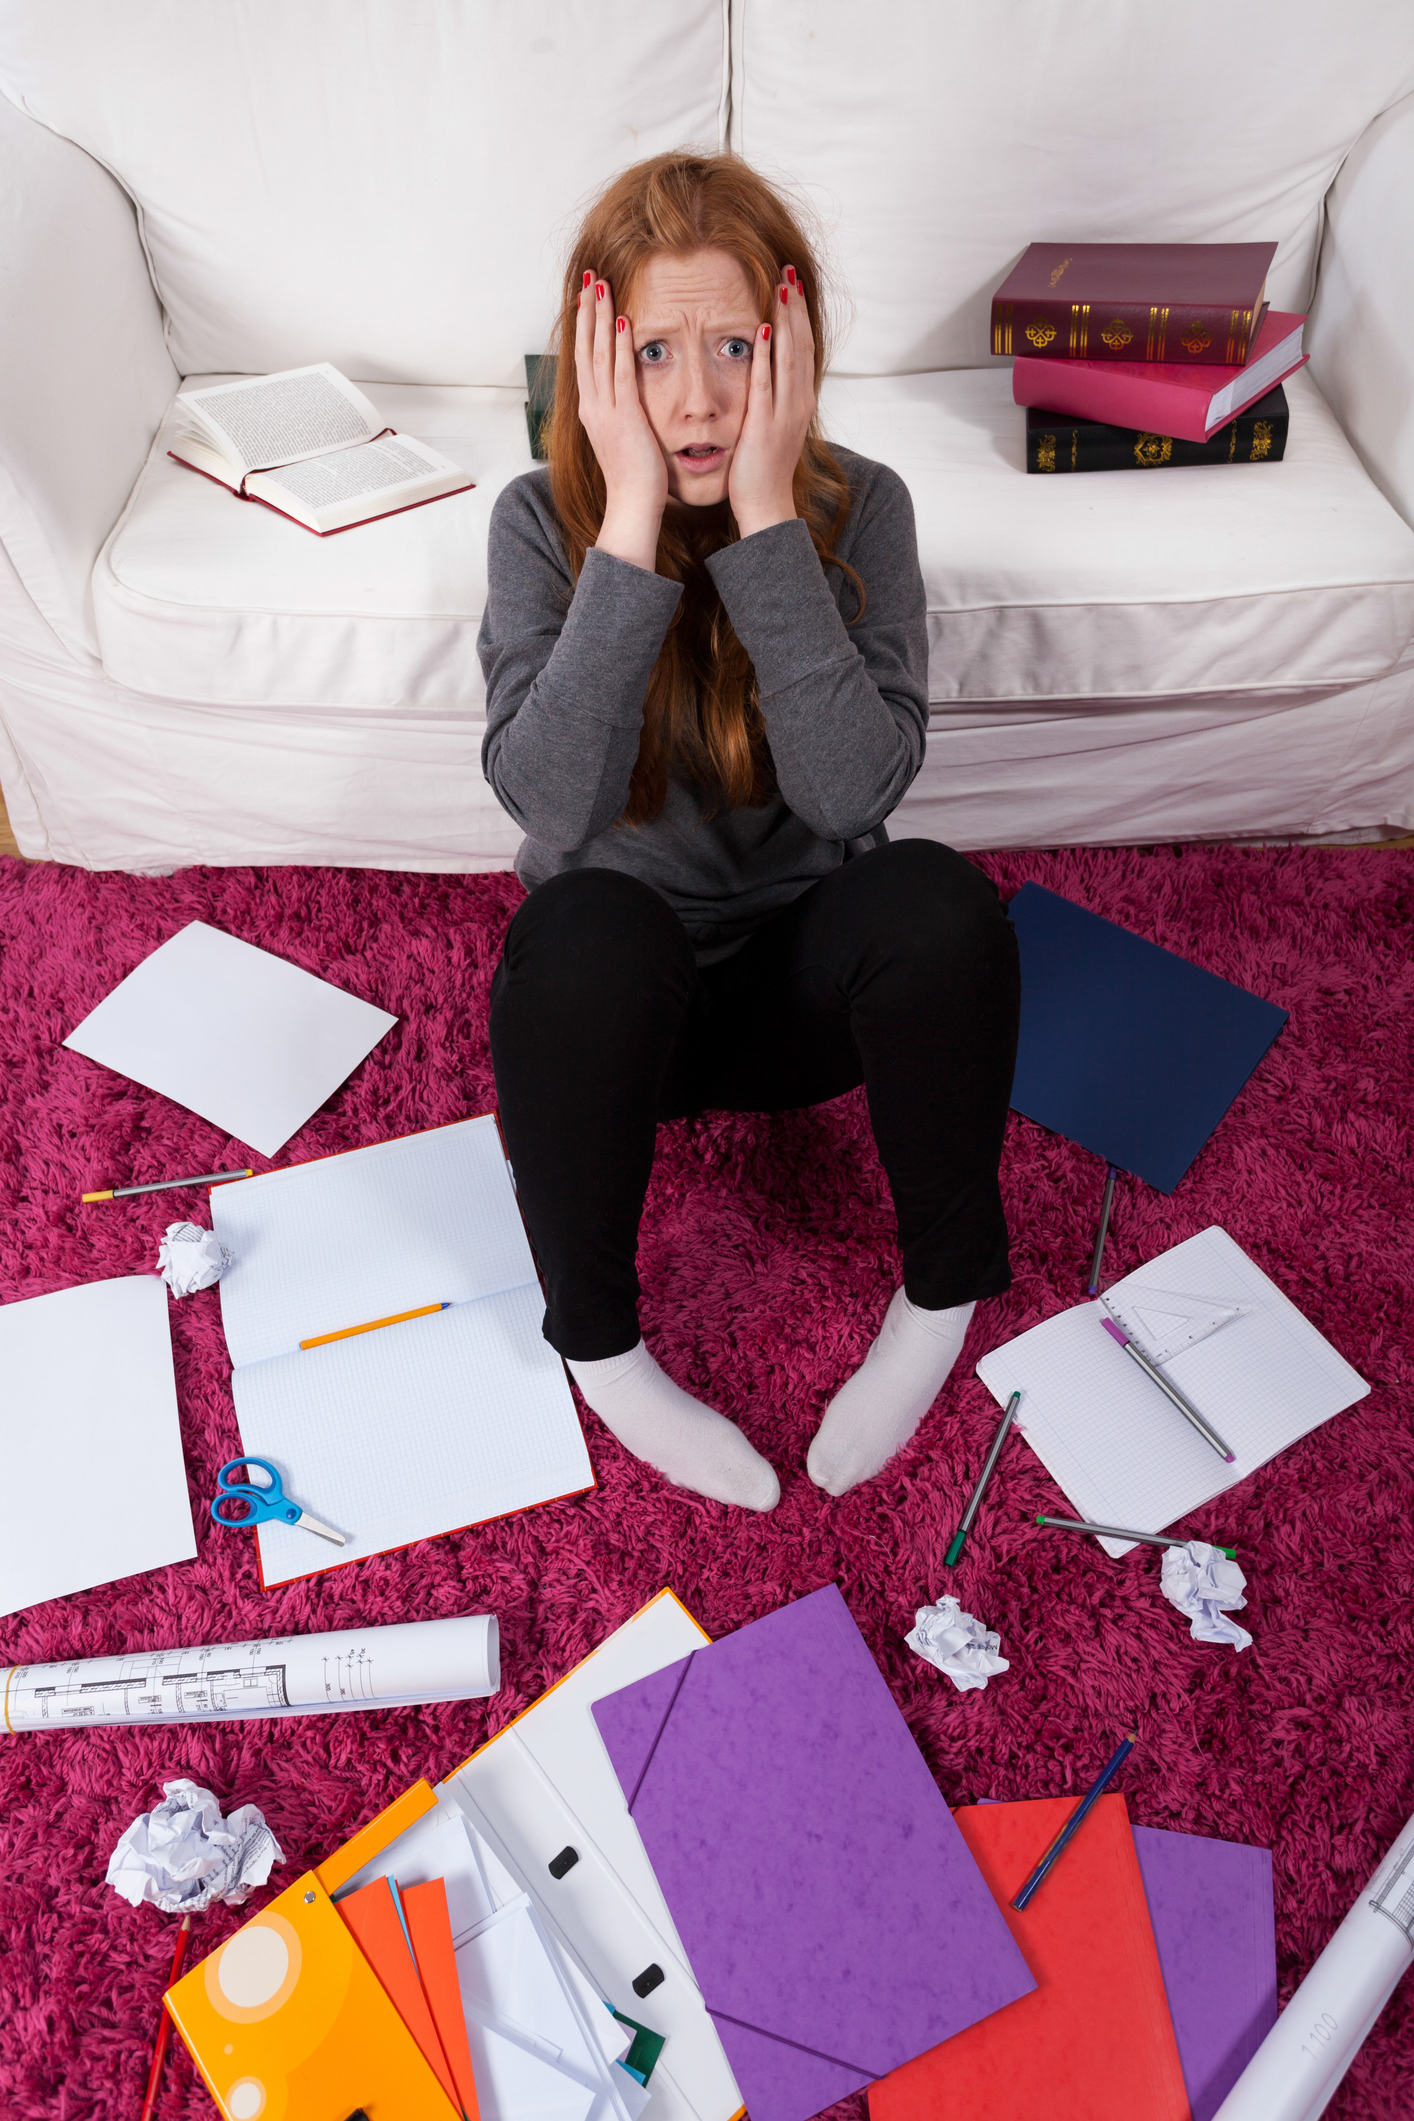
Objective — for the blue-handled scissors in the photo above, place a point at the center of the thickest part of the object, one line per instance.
(266, 1504)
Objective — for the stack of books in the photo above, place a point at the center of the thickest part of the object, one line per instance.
(1134, 356)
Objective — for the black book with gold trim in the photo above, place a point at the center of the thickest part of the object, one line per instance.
(1057, 442)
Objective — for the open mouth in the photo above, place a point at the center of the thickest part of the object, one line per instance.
(701, 456)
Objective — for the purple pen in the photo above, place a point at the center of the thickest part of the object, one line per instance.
(1156, 1376)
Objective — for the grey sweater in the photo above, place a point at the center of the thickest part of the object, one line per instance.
(567, 668)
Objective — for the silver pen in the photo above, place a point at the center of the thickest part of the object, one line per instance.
(1156, 1376)
(1119, 1531)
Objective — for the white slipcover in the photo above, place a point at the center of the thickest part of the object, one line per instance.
(385, 186)
(1121, 656)
(1017, 121)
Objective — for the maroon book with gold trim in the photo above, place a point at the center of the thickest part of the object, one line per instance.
(1176, 302)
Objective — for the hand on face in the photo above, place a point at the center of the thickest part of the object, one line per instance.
(722, 400)
(780, 404)
(635, 473)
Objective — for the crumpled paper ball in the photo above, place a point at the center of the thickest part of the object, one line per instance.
(190, 1258)
(182, 1855)
(957, 1644)
(1205, 1585)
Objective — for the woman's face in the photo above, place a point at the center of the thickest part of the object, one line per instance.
(694, 323)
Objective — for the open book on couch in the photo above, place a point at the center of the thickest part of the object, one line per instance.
(309, 445)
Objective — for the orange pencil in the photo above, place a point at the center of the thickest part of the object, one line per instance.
(346, 1332)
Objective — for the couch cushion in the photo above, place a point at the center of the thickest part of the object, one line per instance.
(1134, 584)
(1099, 586)
(199, 596)
(939, 137)
(384, 187)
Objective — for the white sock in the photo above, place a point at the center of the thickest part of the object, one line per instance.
(876, 1411)
(692, 1445)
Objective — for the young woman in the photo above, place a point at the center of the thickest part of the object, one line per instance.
(706, 658)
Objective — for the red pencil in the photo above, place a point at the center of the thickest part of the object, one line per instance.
(164, 2030)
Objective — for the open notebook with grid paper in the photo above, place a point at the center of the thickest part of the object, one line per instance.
(1229, 1340)
(414, 1429)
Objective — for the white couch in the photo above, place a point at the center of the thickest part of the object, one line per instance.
(193, 192)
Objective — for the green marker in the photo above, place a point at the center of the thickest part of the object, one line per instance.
(959, 1537)
(1114, 1531)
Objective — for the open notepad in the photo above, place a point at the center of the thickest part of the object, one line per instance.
(1123, 1454)
(418, 1428)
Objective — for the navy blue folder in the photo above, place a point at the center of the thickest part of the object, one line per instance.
(1126, 1048)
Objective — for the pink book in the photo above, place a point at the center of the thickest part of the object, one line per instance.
(1189, 403)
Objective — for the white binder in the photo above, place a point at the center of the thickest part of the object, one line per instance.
(553, 1826)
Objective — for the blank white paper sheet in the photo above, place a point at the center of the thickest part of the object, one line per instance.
(1120, 1451)
(246, 1040)
(95, 1485)
(415, 1429)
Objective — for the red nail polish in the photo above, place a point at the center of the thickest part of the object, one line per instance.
(785, 294)
(623, 324)
(790, 275)
(765, 331)
(599, 291)
(587, 278)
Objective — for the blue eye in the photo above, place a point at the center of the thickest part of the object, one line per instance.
(737, 349)
(654, 353)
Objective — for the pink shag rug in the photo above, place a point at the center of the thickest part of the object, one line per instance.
(768, 1259)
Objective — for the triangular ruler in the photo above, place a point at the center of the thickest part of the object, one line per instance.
(1163, 1322)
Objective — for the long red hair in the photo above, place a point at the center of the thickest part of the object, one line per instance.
(702, 713)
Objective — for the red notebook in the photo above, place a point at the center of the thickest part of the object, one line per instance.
(1189, 303)
(1155, 397)
(1093, 2041)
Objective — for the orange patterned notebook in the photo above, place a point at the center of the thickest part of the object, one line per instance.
(1093, 2041)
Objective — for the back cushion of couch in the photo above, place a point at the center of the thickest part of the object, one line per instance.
(936, 138)
(385, 184)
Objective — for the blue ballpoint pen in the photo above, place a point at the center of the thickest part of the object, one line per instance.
(1072, 1825)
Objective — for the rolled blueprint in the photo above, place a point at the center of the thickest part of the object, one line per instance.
(1294, 2074)
(280, 1675)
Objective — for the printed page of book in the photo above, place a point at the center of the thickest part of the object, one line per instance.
(279, 419)
(95, 1482)
(414, 1430)
(427, 1219)
(251, 1042)
(1120, 1451)
(380, 475)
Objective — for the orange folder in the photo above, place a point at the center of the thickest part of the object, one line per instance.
(1094, 2040)
(372, 1915)
(430, 1927)
(287, 2021)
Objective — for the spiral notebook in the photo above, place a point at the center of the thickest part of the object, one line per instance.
(414, 1429)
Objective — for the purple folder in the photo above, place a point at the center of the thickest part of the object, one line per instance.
(836, 1923)
(1211, 1906)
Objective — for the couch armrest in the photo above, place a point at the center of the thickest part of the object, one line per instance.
(87, 372)
(1361, 333)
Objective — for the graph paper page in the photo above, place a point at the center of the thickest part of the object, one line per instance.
(429, 1219)
(414, 1430)
(1120, 1451)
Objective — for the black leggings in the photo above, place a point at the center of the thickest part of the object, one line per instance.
(899, 970)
